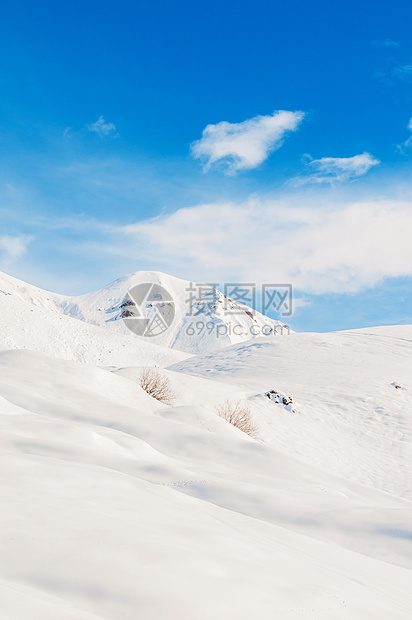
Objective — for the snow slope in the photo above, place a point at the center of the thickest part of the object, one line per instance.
(349, 417)
(115, 506)
(33, 319)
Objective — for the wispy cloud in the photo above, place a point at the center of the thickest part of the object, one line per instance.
(385, 43)
(245, 145)
(403, 72)
(14, 246)
(381, 76)
(102, 128)
(408, 141)
(336, 169)
(319, 249)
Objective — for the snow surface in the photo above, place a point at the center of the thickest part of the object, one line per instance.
(116, 507)
(34, 319)
(349, 416)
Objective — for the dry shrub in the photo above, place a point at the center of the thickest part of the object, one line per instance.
(157, 386)
(238, 413)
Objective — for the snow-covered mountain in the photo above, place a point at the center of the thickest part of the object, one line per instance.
(116, 506)
(202, 319)
(32, 318)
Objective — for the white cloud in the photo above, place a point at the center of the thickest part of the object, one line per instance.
(337, 169)
(14, 247)
(243, 146)
(318, 249)
(102, 128)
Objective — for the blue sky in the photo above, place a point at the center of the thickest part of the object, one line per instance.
(149, 136)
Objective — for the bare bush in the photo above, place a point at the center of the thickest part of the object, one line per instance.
(238, 413)
(157, 386)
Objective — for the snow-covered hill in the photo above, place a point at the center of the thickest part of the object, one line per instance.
(33, 319)
(115, 506)
(203, 318)
(350, 417)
